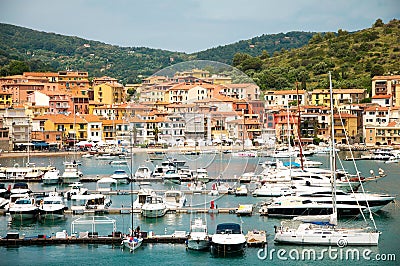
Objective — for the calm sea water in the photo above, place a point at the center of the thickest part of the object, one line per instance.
(387, 221)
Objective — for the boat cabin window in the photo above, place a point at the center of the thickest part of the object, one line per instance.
(23, 201)
(228, 228)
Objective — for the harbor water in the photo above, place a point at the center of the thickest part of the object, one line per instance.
(225, 166)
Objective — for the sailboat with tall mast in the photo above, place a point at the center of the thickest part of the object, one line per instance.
(133, 240)
(320, 233)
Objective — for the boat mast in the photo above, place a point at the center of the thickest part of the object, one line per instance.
(332, 155)
(131, 185)
(298, 129)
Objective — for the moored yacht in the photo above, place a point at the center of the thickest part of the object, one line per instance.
(202, 175)
(90, 201)
(71, 173)
(23, 208)
(76, 188)
(198, 238)
(173, 176)
(174, 199)
(51, 177)
(373, 200)
(291, 206)
(143, 172)
(228, 240)
(52, 207)
(154, 207)
(121, 176)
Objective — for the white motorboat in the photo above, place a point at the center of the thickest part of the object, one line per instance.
(71, 173)
(244, 209)
(51, 177)
(244, 154)
(220, 188)
(121, 176)
(20, 188)
(143, 172)
(241, 191)
(24, 208)
(173, 176)
(87, 155)
(119, 162)
(141, 197)
(373, 200)
(76, 189)
(273, 190)
(52, 207)
(174, 199)
(198, 238)
(202, 175)
(90, 201)
(228, 240)
(30, 171)
(105, 156)
(154, 207)
(246, 177)
(197, 186)
(292, 206)
(106, 184)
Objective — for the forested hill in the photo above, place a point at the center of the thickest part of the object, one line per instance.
(42, 51)
(264, 44)
(275, 61)
(23, 49)
(353, 58)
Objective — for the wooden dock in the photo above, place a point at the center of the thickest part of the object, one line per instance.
(127, 210)
(100, 240)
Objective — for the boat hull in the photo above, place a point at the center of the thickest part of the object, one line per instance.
(354, 239)
(198, 244)
(153, 213)
(292, 211)
(52, 215)
(23, 215)
(227, 249)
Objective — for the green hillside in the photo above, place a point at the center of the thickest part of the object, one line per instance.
(257, 46)
(353, 58)
(23, 49)
(275, 61)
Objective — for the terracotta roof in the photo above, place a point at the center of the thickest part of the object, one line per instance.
(377, 108)
(344, 115)
(386, 77)
(61, 119)
(337, 91)
(284, 92)
(382, 96)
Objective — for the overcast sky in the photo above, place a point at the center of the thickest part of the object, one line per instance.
(192, 25)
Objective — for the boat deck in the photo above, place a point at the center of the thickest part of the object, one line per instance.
(256, 238)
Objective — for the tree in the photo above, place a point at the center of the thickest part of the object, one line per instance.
(377, 70)
(378, 23)
(17, 67)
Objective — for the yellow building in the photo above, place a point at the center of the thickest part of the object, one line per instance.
(6, 98)
(340, 96)
(109, 93)
(345, 124)
(73, 128)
